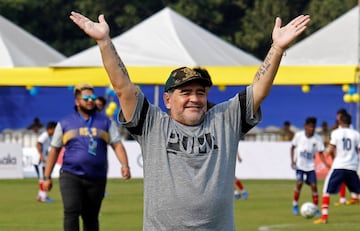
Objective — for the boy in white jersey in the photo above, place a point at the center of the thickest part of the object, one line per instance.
(305, 145)
(342, 193)
(43, 146)
(345, 142)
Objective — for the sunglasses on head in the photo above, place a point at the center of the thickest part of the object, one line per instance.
(87, 97)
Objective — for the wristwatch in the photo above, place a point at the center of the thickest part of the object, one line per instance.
(47, 178)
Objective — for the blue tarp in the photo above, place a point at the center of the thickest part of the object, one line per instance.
(290, 103)
(19, 107)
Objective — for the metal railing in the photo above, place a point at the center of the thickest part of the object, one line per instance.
(27, 138)
(24, 137)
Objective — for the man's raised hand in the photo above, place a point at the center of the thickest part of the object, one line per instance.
(283, 36)
(96, 30)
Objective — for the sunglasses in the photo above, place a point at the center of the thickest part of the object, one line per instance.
(87, 97)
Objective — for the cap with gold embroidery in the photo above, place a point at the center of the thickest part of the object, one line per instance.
(182, 75)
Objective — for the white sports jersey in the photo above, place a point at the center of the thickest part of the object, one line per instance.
(347, 142)
(306, 148)
(45, 140)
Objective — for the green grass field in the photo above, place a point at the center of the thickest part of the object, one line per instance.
(268, 208)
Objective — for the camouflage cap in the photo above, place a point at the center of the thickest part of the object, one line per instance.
(184, 75)
(204, 73)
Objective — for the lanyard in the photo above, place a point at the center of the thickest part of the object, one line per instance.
(88, 124)
(92, 142)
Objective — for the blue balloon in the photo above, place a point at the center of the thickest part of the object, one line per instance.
(33, 91)
(352, 90)
(110, 92)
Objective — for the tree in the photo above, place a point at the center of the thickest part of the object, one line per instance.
(49, 19)
(222, 18)
(257, 25)
(245, 23)
(324, 12)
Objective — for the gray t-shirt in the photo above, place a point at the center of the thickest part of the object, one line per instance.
(189, 170)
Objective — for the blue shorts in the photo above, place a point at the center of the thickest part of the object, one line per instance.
(310, 176)
(338, 176)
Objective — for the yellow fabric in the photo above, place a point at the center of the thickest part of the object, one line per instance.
(221, 76)
(83, 131)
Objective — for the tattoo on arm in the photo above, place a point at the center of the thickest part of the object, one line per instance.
(264, 67)
(123, 68)
(120, 63)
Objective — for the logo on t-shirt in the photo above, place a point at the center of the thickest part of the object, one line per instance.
(179, 143)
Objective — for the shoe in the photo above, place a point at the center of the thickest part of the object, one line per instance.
(317, 214)
(339, 203)
(352, 201)
(295, 210)
(48, 200)
(237, 195)
(245, 195)
(320, 221)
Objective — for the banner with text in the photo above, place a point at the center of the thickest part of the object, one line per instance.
(261, 160)
(11, 161)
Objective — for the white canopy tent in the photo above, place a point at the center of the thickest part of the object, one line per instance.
(167, 39)
(333, 45)
(19, 48)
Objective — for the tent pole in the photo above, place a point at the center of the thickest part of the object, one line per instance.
(156, 94)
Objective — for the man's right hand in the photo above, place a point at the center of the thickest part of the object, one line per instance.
(47, 185)
(96, 30)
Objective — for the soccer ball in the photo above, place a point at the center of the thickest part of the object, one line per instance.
(308, 209)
